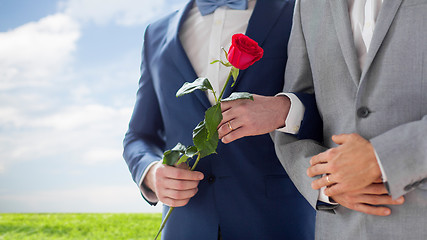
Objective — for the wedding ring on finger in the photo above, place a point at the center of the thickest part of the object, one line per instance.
(327, 179)
(229, 126)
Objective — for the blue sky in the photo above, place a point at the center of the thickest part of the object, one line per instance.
(68, 78)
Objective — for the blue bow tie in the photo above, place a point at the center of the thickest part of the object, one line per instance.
(208, 6)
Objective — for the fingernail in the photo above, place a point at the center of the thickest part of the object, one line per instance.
(387, 212)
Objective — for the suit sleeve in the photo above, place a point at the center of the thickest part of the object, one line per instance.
(144, 142)
(311, 124)
(295, 154)
(403, 154)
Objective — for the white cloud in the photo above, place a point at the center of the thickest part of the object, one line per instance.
(33, 52)
(124, 12)
(101, 156)
(90, 133)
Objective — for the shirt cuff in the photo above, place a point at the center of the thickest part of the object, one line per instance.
(383, 176)
(145, 191)
(295, 115)
(324, 198)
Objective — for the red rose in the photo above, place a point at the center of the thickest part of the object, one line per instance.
(244, 51)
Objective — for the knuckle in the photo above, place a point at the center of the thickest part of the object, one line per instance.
(158, 171)
(310, 171)
(337, 176)
(353, 135)
(352, 206)
(349, 199)
(331, 152)
(176, 195)
(178, 174)
(332, 167)
(179, 185)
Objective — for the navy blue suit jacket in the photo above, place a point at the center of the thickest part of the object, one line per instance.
(246, 192)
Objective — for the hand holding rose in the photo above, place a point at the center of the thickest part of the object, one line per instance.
(251, 118)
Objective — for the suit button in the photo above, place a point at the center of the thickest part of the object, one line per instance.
(211, 179)
(363, 112)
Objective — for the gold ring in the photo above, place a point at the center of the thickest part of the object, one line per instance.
(229, 126)
(327, 179)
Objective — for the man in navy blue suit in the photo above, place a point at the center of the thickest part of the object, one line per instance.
(242, 192)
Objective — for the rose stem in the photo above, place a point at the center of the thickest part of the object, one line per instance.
(225, 85)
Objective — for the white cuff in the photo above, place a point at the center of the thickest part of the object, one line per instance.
(146, 192)
(324, 198)
(383, 176)
(295, 115)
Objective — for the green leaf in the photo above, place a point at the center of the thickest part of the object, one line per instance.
(213, 117)
(205, 145)
(171, 157)
(179, 148)
(235, 73)
(238, 95)
(183, 159)
(198, 84)
(191, 151)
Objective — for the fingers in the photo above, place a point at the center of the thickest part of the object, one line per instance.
(165, 171)
(227, 105)
(372, 210)
(320, 158)
(235, 134)
(340, 139)
(375, 188)
(174, 198)
(175, 186)
(323, 181)
(228, 127)
(336, 189)
(367, 203)
(318, 169)
(380, 200)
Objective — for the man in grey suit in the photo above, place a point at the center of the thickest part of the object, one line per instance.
(367, 65)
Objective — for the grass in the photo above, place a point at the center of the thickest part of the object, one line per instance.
(78, 226)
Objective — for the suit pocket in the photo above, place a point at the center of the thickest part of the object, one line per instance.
(279, 186)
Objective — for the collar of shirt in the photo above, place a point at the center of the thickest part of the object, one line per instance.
(203, 36)
(363, 15)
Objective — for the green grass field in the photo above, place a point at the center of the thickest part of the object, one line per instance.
(78, 226)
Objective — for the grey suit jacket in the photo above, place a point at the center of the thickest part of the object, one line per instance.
(385, 103)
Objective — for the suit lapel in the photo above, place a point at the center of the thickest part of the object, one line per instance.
(175, 50)
(385, 18)
(264, 16)
(342, 24)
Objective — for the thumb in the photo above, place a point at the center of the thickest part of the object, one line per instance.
(340, 139)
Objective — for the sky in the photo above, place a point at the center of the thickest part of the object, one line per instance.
(69, 72)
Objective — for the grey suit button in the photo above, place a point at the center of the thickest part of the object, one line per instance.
(363, 112)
